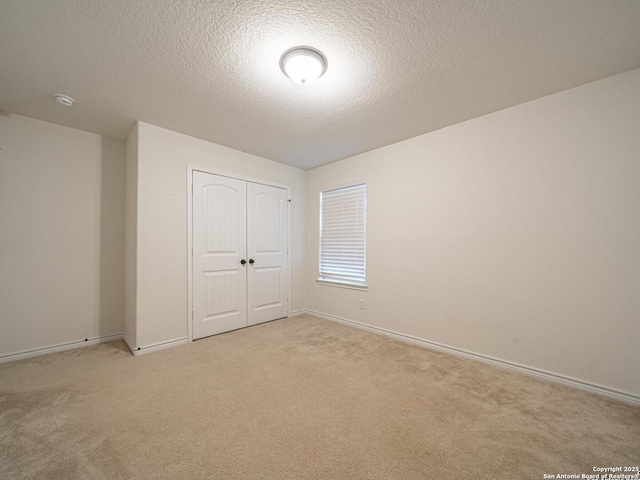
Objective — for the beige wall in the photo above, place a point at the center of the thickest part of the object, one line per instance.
(163, 156)
(515, 235)
(61, 235)
(131, 238)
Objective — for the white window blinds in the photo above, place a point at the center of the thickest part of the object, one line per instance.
(343, 235)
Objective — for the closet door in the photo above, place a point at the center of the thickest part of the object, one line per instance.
(219, 247)
(267, 245)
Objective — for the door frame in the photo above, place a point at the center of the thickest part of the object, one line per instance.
(190, 169)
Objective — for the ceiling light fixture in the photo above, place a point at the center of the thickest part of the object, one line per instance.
(65, 100)
(303, 65)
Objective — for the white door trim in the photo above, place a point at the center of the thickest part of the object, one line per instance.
(190, 169)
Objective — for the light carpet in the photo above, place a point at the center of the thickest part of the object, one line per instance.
(298, 398)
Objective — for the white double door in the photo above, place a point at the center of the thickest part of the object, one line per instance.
(240, 253)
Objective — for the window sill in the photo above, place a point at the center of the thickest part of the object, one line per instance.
(351, 286)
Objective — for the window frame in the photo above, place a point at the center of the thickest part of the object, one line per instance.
(333, 282)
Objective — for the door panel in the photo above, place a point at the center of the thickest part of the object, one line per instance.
(219, 244)
(220, 293)
(267, 287)
(267, 244)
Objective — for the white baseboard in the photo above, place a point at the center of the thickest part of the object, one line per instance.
(129, 344)
(496, 362)
(296, 313)
(159, 346)
(58, 348)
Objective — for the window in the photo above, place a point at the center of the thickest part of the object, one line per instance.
(343, 235)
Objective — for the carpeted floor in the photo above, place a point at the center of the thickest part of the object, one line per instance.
(299, 398)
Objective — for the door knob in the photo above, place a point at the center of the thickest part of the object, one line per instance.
(251, 261)
(243, 261)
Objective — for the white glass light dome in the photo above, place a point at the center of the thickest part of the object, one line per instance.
(303, 65)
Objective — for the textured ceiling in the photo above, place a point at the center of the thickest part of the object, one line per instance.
(397, 68)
